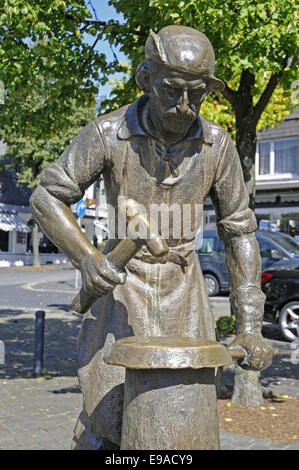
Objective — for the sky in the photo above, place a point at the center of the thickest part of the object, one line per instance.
(105, 12)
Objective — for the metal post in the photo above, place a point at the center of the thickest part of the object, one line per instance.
(39, 343)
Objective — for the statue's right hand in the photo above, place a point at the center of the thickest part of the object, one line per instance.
(98, 275)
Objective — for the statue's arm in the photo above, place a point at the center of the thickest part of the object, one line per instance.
(57, 221)
(62, 184)
(236, 226)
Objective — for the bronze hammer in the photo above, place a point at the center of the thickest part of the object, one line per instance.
(126, 249)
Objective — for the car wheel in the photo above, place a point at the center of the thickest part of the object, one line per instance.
(289, 321)
(212, 284)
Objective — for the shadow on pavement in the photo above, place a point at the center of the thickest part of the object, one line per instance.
(11, 312)
(63, 307)
(66, 390)
(18, 336)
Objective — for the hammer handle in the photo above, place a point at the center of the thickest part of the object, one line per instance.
(123, 253)
(118, 258)
(238, 353)
(83, 301)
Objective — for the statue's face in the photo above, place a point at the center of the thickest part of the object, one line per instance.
(175, 99)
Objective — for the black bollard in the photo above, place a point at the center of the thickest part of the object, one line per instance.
(39, 343)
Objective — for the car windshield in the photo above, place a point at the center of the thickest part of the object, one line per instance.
(290, 245)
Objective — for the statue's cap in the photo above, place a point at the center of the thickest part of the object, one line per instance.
(186, 49)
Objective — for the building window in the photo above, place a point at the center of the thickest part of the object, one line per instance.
(264, 162)
(286, 156)
(277, 158)
(3, 240)
(21, 238)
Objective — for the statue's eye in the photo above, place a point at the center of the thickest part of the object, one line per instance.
(171, 92)
(195, 95)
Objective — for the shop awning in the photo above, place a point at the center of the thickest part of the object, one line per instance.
(10, 222)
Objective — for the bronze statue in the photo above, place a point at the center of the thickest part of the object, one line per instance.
(156, 150)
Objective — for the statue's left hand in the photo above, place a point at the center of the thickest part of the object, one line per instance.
(258, 353)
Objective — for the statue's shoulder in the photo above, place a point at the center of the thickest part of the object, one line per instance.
(110, 122)
(212, 132)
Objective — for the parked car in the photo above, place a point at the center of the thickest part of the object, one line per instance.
(276, 248)
(281, 286)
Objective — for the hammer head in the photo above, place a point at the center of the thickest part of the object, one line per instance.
(141, 228)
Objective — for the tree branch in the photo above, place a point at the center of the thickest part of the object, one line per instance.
(246, 81)
(86, 21)
(95, 42)
(268, 92)
(230, 95)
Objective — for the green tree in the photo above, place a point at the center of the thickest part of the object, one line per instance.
(256, 45)
(30, 155)
(50, 76)
(42, 47)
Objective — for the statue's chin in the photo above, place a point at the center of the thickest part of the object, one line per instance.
(176, 126)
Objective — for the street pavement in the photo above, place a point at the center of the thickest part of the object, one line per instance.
(40, 413)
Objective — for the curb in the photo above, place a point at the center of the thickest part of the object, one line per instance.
(44, 267)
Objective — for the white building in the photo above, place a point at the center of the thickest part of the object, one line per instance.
(277, 176)
(15, 222)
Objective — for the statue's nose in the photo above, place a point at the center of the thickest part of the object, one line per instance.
(184, 102)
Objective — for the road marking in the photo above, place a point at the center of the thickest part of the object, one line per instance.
(26, 311)
(31, 286)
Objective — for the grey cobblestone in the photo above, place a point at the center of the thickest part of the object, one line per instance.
(51, 426)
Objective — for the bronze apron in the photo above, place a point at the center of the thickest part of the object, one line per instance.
(156, 300)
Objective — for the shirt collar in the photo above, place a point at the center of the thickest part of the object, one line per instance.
(130, 126)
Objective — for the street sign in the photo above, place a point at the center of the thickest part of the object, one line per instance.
(80, 208)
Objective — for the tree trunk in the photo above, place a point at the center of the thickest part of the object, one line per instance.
(246, 146)
(247, 388)
(35, 245)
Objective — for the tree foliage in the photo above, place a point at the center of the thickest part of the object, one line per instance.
(31, 154)
(258, 36)
(48, 68)
(256, 45)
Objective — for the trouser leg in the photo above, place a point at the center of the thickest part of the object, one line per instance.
(85, 439)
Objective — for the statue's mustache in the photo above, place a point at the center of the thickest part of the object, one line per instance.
(175, 111)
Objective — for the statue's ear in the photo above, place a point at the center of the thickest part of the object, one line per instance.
(142, 76)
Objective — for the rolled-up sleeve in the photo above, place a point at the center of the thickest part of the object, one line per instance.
(229, 193)
(236, 225)
(78, 167)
